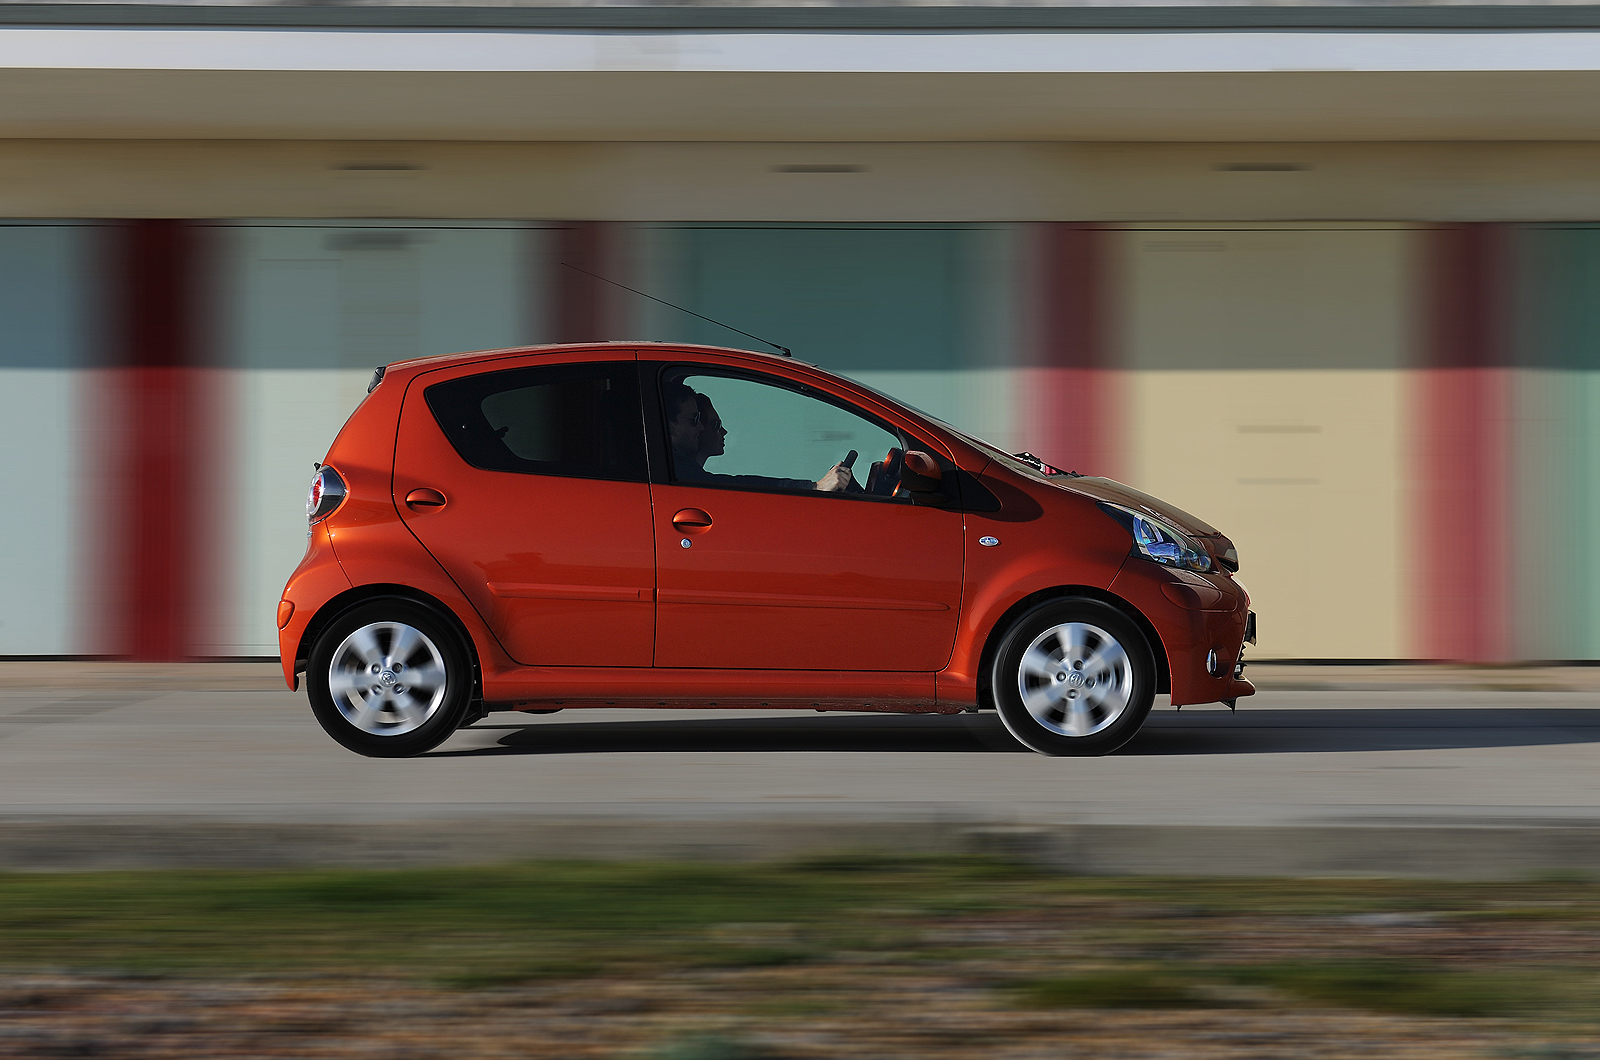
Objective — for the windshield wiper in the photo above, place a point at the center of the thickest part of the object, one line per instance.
(1044, 468)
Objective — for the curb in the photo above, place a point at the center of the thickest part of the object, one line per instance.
(1469, 851)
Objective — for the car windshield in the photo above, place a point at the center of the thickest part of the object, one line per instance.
(930, 417)
(1004, 457)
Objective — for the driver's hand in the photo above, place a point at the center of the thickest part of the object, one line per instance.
(835, 480)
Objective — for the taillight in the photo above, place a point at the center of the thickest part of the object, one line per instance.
(327, 491)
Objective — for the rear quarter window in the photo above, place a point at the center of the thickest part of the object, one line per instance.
(573, 420)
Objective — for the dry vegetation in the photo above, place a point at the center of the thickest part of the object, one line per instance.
(856, 957)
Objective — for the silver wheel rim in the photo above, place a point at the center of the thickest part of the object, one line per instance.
(387, 678)
(1075, 679)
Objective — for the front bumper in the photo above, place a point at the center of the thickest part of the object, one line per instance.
(1204, 622)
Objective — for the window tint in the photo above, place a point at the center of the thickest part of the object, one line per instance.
(732, 431)
(577, 420)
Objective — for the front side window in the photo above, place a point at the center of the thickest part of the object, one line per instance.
(576, 420)
(728, 430)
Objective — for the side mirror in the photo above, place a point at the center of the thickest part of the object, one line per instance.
(919, 473)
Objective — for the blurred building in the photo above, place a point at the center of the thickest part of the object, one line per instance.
(1325, 276)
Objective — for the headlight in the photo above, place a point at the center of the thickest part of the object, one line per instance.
(1157, 541)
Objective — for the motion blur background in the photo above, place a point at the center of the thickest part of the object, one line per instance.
(1324, 276)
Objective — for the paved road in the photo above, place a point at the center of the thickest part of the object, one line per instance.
(1437, 782)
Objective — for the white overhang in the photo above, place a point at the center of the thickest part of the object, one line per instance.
(404, 50)
(961, 83)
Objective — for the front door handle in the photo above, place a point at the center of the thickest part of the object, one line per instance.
(424, 498)
(691, 521)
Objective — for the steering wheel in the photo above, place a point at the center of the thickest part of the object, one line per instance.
(884, 477)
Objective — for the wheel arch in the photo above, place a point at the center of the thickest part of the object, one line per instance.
(1062, 592)
(363, 594)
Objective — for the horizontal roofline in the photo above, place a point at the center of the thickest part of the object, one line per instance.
(900, 18)
(628, 345)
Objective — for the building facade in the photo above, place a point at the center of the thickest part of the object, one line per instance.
(1323, 277)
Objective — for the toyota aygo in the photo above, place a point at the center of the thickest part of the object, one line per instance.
(650, 525)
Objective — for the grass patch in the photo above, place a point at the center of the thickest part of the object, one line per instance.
(797, 1005)
(1114, 988)
(486, 975)
(1397, 986)
(462, 924)
(753, 957)
(708, 1047)
(1162, 942)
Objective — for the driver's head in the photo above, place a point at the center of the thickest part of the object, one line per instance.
(713, 435)
(683, 420)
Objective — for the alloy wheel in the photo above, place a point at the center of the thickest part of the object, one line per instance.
(387, 678)
(1075, 679)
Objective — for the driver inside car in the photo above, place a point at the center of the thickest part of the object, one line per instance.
(697, 435)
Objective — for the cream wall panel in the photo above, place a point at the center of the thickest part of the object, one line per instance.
(821, 181)
(1266, 397)
(867, 181)
(671, 96)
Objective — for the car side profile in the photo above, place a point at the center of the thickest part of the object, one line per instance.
(663, 525)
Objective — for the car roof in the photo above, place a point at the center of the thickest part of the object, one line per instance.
(447, 359)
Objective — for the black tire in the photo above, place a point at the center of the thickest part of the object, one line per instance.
(1087, 685)
(389, 679)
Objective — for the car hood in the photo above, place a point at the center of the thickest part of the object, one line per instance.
(1105, 489)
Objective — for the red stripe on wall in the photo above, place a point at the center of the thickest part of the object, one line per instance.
(1074, 394)
(159, 411)
(1462, 419)
(579, 314)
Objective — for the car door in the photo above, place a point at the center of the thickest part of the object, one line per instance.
(526, 480)
(761, 567)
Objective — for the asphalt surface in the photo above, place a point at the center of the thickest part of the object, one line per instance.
(1462, 774)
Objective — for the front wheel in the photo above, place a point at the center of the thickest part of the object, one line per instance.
(1073, 677)
(388, 679)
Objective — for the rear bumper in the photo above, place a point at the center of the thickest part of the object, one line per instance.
(318, 579)
(1203, 622)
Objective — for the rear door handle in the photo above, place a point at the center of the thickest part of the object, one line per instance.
(691, 520)
(425, 498)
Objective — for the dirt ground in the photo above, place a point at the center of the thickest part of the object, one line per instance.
(726, 1016)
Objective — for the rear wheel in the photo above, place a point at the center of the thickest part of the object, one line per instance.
(389, 679)
(1073, 677)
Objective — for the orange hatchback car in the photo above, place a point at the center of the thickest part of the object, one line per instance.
(637, 524)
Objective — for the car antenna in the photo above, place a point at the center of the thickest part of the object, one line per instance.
(786, 351)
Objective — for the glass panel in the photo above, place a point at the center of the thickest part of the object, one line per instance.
(732, 431)
(580, 421)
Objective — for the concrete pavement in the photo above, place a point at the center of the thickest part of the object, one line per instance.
(1330, 770)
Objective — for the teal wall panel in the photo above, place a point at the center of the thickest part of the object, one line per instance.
(847, 298)
(927, 313)
(1556, 443)
(310, 309)
(49, 298)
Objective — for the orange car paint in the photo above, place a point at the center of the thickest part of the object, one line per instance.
(561, 569)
